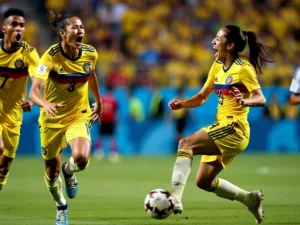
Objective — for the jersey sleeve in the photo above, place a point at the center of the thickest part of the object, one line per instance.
(45, 66)
(211, 77)
(248, 77)
(95, 60)
(295, 85)
(33, 61)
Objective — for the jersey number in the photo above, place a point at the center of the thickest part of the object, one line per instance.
(221, 97)
(71, 88)
(4, 81)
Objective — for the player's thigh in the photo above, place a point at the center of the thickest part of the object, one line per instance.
(200, 143)
(207, 172)
(52, 142)
(79, 138)
(10, 140)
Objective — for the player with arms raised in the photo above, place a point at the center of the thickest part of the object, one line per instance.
(234, 80)
(66, 71)
(17, 59)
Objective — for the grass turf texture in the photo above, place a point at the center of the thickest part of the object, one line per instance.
(114, 193)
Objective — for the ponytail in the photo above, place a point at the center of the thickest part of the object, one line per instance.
(259, 53)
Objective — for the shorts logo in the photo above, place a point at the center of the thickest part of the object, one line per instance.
(229, 80)
(86, 67)
(41, 69)
(19, 63)
(44, 151)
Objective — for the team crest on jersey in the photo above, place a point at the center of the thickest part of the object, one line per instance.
(229, 80)
(87, 67)
(19, 63)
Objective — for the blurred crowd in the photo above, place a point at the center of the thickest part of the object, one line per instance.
(169, 41)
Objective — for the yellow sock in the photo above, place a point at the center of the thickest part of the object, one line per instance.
(3, 179)
(181, 172)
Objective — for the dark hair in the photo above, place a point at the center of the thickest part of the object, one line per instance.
(259, 53)
(13, 12)
(59, 21)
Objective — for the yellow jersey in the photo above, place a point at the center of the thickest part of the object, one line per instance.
(240, 74)
(14, 70)
(66, 82)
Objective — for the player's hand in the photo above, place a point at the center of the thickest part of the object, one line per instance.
(175, 104)
(237, 95)
(97, 112)
(26, 105)
(51, 108)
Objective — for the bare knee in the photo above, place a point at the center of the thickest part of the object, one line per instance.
(184, 143)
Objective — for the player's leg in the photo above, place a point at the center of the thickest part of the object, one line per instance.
(54, 184)
(113, 153)
(52, 141)
(207, 180)
(78, 137)
(197, 143)
(9, 140)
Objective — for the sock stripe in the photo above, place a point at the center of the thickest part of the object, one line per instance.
(184, 154)
(214, 185)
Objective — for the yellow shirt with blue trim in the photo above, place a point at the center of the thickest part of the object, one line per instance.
(66, 82)
(240, 74)
(14, 70)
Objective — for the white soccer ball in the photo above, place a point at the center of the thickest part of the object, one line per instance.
(158, 204)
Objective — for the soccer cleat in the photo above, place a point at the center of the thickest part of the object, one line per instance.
(62, 215)
(71, 183)
(256, 208)
(178, 207)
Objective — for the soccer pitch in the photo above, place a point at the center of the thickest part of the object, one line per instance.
(114, 194)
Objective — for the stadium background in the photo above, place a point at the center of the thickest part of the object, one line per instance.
(150, 46)
(162, 45)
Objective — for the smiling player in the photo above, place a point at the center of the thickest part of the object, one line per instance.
(66, 71)
(17, 60)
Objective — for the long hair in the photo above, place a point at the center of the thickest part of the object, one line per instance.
(259, 53)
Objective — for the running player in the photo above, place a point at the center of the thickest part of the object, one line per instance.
(234, 80)
(66, 71)
(17, 60)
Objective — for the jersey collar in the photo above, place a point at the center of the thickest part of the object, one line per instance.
(4, 50)
(68, 57)
(225, 70)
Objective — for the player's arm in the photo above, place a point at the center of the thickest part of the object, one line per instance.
(33, 60)
(295, 99)
(94, 86)
(295, 88)
(199, 98)
(248, 77)
(36, 97)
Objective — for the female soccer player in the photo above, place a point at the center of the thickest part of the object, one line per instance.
(234, 80)
(66, 70)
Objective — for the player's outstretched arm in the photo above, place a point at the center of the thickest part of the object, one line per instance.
(195, 101)
(36, 97)
(94, 86)
(295, 99)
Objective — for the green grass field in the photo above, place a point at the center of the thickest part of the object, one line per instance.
(114, 193)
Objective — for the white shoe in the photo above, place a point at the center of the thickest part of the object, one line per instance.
(256, 208)
(178, 207)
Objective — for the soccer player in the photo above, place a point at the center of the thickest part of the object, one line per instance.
(234, 80)
(17, 60)
(295, 87)
(108, 126)
(65, 72)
